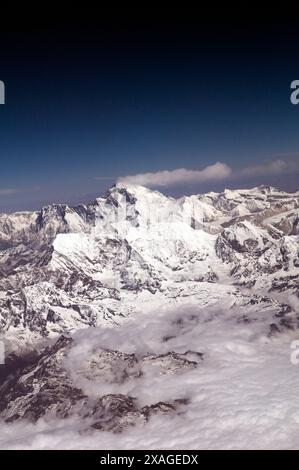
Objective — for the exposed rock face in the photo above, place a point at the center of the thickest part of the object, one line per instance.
(116, 412)
(39, 384)
(30, 390)
(173, 363)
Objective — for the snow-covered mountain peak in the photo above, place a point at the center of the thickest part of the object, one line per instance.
(66, 267)
(137, 289)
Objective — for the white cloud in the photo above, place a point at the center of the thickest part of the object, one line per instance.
(217, 171)
(229, 408)
(267, 168)
(8, 191)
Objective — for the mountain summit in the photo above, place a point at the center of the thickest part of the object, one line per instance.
(65, 268)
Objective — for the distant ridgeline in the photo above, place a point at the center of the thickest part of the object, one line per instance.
(2, 92)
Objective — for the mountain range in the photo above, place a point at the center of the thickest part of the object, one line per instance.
(68, 274)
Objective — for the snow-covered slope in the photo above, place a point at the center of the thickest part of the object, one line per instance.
(67, 268)
(231, 259)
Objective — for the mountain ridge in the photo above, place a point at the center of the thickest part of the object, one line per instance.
(65, 267)
(112, 312)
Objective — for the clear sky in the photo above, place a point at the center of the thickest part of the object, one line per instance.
(89, 102)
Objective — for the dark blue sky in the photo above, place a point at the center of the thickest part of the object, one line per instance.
(112, 97)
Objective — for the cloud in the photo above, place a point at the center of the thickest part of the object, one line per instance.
(234, 357)
(8, 191)
(267, 168)
(217, 171)
(11, 191)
